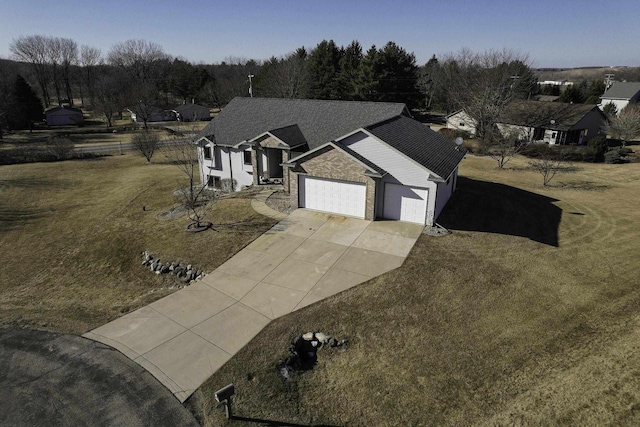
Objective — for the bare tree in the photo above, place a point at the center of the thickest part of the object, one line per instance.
(483, 84)
(549, 165)
(34, 50)
(146, 143)
(285, 77)
(90, 59)
(112, 95)
(68, 58)
(138, 58)
(626, 125)
(58, 147)
(193, 193)
(504, 145)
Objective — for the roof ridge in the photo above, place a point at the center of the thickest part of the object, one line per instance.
(321, 100)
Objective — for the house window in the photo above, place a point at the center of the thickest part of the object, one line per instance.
(213, 181)
(247, 157)
(207, 153)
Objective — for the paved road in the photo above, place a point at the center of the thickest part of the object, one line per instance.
(49, 379)
(110, 147)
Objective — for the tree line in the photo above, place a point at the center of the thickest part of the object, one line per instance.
(139, 74)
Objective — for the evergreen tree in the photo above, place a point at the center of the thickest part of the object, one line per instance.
(324, 64)
(26, 107)
(367, 80)
(397, 75)
(350, 61)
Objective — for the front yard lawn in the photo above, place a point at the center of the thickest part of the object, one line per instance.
(528, 314)
(71, 234)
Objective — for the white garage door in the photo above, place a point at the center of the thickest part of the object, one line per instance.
(405, 203)
(341, 197)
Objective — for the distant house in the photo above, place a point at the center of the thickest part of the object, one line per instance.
(64, 116)
(460, 120)
(537, 121)
(192, 113)
(552, 122)
(621, 94)
(149, 113)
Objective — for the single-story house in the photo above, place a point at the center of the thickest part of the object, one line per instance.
(363, 159)
(151, 113)
(64, 116)
(553, 122)
(621, 94)
(192, 113)
(538, 121)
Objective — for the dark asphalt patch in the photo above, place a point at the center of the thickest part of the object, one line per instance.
(49, 379)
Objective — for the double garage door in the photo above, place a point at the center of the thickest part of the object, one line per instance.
(328, 195)
(401, 203)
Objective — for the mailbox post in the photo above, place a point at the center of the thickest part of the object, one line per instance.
(223, 396)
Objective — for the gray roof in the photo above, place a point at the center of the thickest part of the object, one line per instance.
(189, 107)
(622, 90)
(290, 135)
(318, 121)
(432, 150)
(547, 115)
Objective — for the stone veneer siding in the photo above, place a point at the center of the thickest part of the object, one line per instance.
(334, 164)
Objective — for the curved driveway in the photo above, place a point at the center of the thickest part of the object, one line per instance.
(64, 380)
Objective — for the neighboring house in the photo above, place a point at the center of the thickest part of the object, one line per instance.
(620, 94)
(538, 121)
(364, 159)
(64, 116)
(191, 113)
(151, 113)
(460, 120)
(553, 122)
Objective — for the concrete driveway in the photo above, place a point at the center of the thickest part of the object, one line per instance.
(185, 337)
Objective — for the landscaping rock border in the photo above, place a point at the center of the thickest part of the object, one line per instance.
(185, 273)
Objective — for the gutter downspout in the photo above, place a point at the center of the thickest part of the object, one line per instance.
(233, 187)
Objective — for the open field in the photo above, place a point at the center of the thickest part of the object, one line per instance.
(528, 314)
(71, 234)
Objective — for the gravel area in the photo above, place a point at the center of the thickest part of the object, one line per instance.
(279, 201)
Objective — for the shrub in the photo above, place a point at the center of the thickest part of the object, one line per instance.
(228, 185)
(613, 157)
(59, 148)
(452, 134)
(569, 153)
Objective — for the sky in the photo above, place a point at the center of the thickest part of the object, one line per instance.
(559, 33)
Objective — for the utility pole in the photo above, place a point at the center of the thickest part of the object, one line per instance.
(608, 80)
(251, 85)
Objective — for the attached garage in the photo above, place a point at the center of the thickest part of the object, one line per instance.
(334, 196)
(403, 203)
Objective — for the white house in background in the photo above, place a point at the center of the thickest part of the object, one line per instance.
(460, 120)
(538, 121)
(620, 94)
(64, 116)
(363, 159)
(192, 113)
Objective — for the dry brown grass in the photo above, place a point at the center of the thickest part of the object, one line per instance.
(528, 317)
(71, 234)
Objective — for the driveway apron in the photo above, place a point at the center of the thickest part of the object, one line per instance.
(184, 338)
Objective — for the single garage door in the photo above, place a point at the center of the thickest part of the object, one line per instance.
(328, 195)
(405, 203)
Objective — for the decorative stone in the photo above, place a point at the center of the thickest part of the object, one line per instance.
(308, 336)
(323, 338)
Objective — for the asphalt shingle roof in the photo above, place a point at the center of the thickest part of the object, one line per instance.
(622, 90)
(548, 115)
(291, 135)
(318, 121)
(430, 149)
